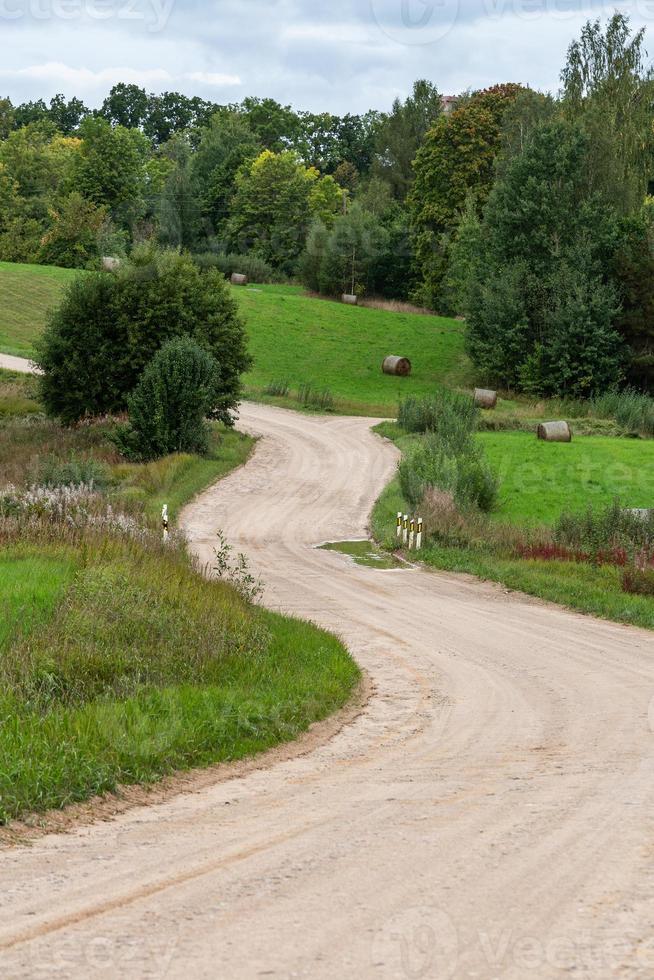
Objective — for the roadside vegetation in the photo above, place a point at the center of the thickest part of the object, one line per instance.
(561, 526)
(132, 666)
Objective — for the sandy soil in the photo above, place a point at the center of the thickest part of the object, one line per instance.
(488, 814)
(11, 363)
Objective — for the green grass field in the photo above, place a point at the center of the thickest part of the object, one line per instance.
(27, 292)
(132, 666)
(298, 339)
(540, 479)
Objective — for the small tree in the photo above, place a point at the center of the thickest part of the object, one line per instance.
(110, 326)
(169, 405)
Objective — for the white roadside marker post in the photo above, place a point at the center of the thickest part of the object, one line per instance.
(419, 535)
(412, 533)
(405, 529)
(164, 521)
(399, 525)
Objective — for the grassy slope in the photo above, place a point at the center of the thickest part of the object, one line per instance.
(27, 292)
(299, 339)
(596, 591)
(146, 668)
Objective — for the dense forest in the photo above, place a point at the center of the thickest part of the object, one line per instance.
(527, 213)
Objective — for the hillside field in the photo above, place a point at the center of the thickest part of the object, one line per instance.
(27, 292)
(292, 338)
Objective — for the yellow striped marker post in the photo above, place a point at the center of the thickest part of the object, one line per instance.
(399, 525)
(405, 529)
(164, 521)
(412, 533)
(419, 534)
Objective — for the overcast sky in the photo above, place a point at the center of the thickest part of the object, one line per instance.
(326, 55)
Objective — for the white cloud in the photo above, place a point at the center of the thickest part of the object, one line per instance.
(325, 55)
(212, 78)
(56, 71)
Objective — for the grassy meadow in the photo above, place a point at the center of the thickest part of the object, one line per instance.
(132, 666)
(27, 292)
(298, 339)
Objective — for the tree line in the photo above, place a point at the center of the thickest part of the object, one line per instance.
(527, 213)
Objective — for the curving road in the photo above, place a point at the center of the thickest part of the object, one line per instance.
(488, 814)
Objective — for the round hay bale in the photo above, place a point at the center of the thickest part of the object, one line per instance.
(555, 432)
(485, 398)
(350, 299)
(238, 279)
(110, 263)
(399, 366)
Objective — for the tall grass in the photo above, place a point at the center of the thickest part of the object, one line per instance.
(137, 666)
(631, 409)
(446, 458)
(312, 397)
(451, 416)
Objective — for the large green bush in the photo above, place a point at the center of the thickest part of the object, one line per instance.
(110, 326)
(169, 405)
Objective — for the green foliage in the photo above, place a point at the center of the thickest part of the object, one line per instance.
(446, 458)
(79, 230)
(634, 274)
(75, 471)
(631, 409)
(110, 168)
(453, 417)
(312, 397)
(456, 160)
(348, 258)
(601, 531)
(401, 133)
(272, 208)
(253, 266)
(226, 144)
(110, 326)
(432, 464)
(168, 407)
(608, 90)
(540, 307)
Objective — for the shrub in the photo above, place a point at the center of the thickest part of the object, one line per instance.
(168, 408)
(631, 409)
(451, 416)
(110, 326)
(602, 533)
(74, 472)
(638, 581)
(252, 266)
(467, 476)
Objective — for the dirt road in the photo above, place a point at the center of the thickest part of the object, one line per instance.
(489, 814)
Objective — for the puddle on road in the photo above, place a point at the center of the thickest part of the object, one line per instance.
(364, 553)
